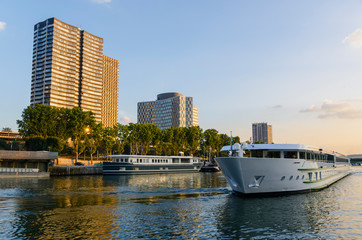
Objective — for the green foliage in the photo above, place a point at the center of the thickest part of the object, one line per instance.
(3, 145)
(46, 127)
(54, 144)
(34, 143)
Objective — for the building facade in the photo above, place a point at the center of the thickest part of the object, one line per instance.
(67, 67)
(262, 132)
(169, 110)
(110, 91)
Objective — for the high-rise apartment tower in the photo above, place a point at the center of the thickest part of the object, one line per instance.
(262, 132)
(110, 91)
(67, 69)
(169, 110)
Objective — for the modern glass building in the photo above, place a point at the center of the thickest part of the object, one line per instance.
(262, 132)
(67, 68)
(169, 110)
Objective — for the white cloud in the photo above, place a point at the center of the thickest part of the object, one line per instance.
(102, 1)
(312, 108)
(126, 120)
(2, 25)
(333, 109)
(354, 39)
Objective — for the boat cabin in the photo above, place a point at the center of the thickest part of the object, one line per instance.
(145, 159)
(285, 151)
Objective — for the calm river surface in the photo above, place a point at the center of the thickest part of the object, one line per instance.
(173, 206)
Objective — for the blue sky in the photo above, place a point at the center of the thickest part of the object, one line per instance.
(294, 64)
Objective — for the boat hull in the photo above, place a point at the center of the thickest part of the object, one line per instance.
(113, 168)
(276, 175)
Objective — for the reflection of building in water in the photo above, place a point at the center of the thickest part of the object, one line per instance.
(74, 207)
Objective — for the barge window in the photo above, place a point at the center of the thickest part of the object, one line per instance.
(290, 154)
(257, 153)
(301, 155)
(273, 154)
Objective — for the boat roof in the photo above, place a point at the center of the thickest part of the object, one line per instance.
(280, 147)
(283, 147)
(148, 156)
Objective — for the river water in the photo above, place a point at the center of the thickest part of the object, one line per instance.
(173, 206)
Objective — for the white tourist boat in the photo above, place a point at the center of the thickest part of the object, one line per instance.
(281, 168)
(145, 164)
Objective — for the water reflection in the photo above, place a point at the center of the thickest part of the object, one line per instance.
(194, 205)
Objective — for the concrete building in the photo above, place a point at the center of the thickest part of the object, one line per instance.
(110, 91)
(25, 163)
(262, 132)
(67, 67)
(169, 110)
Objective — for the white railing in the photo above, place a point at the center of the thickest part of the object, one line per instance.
(27, 170)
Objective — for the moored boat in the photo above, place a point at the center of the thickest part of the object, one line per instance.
(281, 168)
(145, 164)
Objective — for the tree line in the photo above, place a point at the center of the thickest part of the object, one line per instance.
(74, 131)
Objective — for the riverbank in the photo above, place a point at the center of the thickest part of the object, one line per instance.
(68, 170)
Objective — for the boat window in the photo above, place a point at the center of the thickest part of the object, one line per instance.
(257, 153)
(273, 154)
(301, 155)
(183, 160)
(290, 154)
(309, 155)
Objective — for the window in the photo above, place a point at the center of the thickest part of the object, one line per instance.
(257, 153)
(291, 154)
(302, 155)
(273, 154)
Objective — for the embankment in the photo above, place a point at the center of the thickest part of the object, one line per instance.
(60, 170)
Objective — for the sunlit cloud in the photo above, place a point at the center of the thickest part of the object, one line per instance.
(312, 108)
(354, 39)
(102, 1)
(336, 109)
(2, 26)
(125, 119)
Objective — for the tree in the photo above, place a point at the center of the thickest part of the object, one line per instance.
(94, 139)
(39, 120)
(77, 123)
(109, 139)
(194, 136)
(211, 140)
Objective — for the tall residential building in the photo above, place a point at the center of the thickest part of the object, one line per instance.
(262, 132)
(67, 68)
(169, 110)
(110, 91)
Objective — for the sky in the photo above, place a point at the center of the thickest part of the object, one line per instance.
(296, 65)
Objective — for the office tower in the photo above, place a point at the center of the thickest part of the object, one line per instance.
(110, 91)
(169, 110)
(67, 69)
(262, 132)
